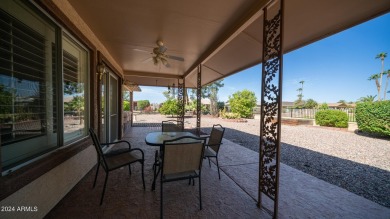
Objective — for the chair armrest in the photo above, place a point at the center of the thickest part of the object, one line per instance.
(205, 136)
(213, 144)
(122, 151)
(138, 149)
(116, 142)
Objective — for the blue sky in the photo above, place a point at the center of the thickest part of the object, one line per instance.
(335, 68)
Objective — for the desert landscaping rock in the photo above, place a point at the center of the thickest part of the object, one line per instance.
(353, 161)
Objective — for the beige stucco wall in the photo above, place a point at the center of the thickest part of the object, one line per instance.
(71, 13)
(45, 192)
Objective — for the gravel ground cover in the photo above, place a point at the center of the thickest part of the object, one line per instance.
(357, 163)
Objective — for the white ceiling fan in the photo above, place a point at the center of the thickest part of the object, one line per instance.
(159, 55)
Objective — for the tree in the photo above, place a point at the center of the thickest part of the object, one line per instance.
(342, 101)
(126, 105)
(142, 104)
(382, 57)
(310, 104)
(299, 103)
(75, 105)
(387, 83)
(169, 107)
(324, 106)
(378, 86)
(168, 95)
(211, 91)
(368, 98)
(242, 102)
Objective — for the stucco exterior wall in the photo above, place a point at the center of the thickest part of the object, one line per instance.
(41, 195)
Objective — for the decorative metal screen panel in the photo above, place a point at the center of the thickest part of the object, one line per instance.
(198, 99)
(271, 107)
(180, 100)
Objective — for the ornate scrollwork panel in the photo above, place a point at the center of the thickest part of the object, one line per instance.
(180, 100)
(271, 108)
(198, 99)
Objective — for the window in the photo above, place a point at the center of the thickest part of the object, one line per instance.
(30, 85)
(75, 78)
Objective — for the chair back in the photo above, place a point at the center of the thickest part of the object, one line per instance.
(171, 126)
(216, 136)
(182, 154)
(98, 148)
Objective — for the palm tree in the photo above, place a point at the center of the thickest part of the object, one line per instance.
(378, 86)
(368, 98)
(300, 90)
(381, 56)
(387, 83)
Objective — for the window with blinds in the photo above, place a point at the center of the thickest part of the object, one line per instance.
(30, 85)
(74, 82)
(22, 81)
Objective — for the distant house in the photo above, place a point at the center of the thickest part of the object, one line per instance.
(285, 106)
(341, 105)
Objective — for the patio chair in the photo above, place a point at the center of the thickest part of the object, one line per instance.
(182, 160)
(115, 159)
(167, 126)
(172, 126)
(214, 143)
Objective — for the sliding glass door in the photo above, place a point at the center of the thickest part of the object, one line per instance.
(110, 107)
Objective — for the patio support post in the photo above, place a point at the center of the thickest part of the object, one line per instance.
(180, 100)
(271, 99)
(198, 99)
(131, 108)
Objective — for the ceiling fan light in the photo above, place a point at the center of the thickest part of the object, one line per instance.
(164, 61)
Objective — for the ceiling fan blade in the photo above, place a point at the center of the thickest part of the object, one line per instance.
(140, 50)
(177, 58)
(147, 60)
(165, 62)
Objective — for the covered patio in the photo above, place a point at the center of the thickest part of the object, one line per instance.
(94, 50)
(234, 196)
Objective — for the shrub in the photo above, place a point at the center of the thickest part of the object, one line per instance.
(374, 117)
(169, 107)
(324, 106)
(229, 115)
(332, 118)
(242, 103)
(126, 105)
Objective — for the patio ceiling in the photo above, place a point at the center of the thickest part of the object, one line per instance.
(224, 36)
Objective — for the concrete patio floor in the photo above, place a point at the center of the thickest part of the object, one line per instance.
(234, 196)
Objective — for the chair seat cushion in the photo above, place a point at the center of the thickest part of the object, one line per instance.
(121, 159)
(209, 152)
(116, 151)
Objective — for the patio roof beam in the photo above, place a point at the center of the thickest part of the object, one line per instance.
(228, 36)
(150, 75)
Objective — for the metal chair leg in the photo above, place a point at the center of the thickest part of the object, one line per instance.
(97, 172)
(219, 175)
(200, 194)
(161, 197)
(143, 178)
(104, 189)
(209, 161)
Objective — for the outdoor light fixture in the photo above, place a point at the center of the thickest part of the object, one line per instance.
(101, 70)
(169, 87)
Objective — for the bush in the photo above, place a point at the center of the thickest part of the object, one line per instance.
(228, 115)
(242, 103)
(169, 107)
(374, 117)
(332, 118)
(126, 105)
